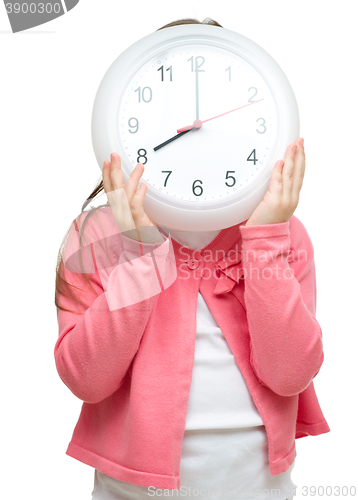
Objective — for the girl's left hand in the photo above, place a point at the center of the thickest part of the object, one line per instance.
(281, 199)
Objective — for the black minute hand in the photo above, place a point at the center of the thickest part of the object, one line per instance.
(172, 139)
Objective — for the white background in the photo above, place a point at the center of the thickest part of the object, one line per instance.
(49, 77)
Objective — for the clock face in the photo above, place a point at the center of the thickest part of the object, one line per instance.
(208, 112)
(224, 103)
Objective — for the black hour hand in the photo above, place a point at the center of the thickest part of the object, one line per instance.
(172, 139)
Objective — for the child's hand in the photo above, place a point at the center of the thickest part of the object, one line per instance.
(281, 199)
(126, 201)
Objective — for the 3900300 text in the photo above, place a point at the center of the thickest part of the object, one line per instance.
(33, 8)
(328, 491)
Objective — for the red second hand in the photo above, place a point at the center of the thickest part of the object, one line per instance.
(198, 123)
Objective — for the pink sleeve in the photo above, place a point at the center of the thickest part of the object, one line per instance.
(280, 299)
(97, 344)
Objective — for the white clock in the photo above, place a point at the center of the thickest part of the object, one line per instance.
(208, 112)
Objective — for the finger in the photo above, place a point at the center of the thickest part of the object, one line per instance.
(275, 186)
(116, 174)
(287, 172)
(299, 172)
(107, 184)
(133, 180)
(137, 202)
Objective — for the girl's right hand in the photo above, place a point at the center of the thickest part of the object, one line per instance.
(126, 201)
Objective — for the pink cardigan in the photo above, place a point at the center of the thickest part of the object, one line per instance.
(128, 354)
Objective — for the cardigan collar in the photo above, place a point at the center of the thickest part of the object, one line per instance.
(223, 253)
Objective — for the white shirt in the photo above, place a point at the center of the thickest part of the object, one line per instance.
(225, 447)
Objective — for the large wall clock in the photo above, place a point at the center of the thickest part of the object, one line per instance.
(208, 112)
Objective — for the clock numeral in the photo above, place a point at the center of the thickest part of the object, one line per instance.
(162, 70)
(197, 65)
(136, 126)
(142, 155)
(141, 94)
(250, 100)
(230, 177)
(262, 125)
(197, 187)
(254, 159)
(167, 177)
(229, 69)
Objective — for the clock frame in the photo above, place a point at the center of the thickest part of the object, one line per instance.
(174, 211)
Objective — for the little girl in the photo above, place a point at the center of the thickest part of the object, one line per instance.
(193, 353)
